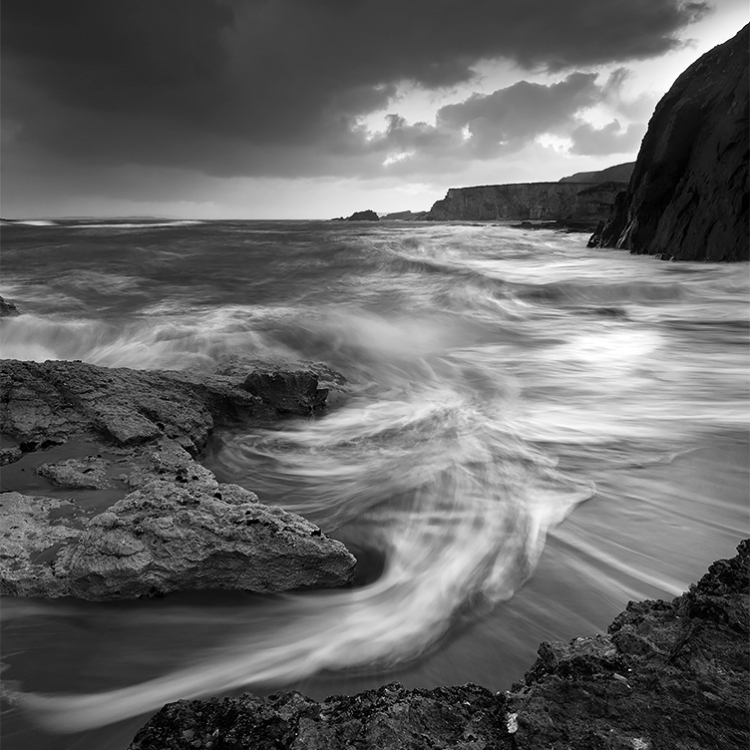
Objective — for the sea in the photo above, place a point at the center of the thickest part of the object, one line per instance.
(532, 433)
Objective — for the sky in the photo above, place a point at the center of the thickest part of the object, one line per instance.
(309, 109)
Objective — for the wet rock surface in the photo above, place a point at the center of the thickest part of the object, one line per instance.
(688, 195)
(667, 675)
(53, 401)
(172, 526)
(288, 392)
(166, 538)
(32, 533)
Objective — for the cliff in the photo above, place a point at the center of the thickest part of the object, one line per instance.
(576, 203)
(667, 675)
(618, 173)
(688, 195)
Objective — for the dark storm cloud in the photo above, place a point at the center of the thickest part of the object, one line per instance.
(276, 86)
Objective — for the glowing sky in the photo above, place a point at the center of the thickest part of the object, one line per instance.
(290, 109)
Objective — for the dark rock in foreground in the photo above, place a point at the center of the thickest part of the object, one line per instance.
(8, 308)
(289, 392)
(668, 675)
(688, 196)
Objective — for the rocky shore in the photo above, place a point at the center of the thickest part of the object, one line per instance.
(143, 517)
(666, 675)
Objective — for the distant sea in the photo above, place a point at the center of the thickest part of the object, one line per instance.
(533, 433)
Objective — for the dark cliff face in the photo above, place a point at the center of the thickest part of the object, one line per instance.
(688, 196)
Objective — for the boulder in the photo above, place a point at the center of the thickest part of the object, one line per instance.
(163, 538)
(89, 473)
(667, 675)
(688, 195)
(287, 391)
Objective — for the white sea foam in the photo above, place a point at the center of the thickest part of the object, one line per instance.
(136, 225)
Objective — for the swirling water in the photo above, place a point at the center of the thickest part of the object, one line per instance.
(497, 379)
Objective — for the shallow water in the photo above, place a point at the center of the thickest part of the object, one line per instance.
(507, 388)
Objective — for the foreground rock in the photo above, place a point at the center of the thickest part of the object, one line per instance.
(668, 675)
(174, 527)
(688, 195)
(161, 539)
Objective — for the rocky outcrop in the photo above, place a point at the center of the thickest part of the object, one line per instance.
(174, 527)
(688, 196)
(363, 216)
(359, 216)
(8, 308)
(618, 173)
(582, 204)
(163, 538)
(289, 392)
(52, 401)
(667, 675)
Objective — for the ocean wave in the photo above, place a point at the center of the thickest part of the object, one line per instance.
(136, 225)
(29, 222)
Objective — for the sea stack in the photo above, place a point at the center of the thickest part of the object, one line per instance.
(688, 195)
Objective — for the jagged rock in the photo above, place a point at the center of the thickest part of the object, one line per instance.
(162, 538)
(688, 195)
(289, 392)
(390, 718)
(165, 538)
(88, 473)
(668, 675)
(8, 308)
(52, 401)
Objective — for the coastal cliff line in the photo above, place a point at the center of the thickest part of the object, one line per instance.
(579, 203)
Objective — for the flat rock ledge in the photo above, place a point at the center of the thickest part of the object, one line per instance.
(667, 675)
(171, 526)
